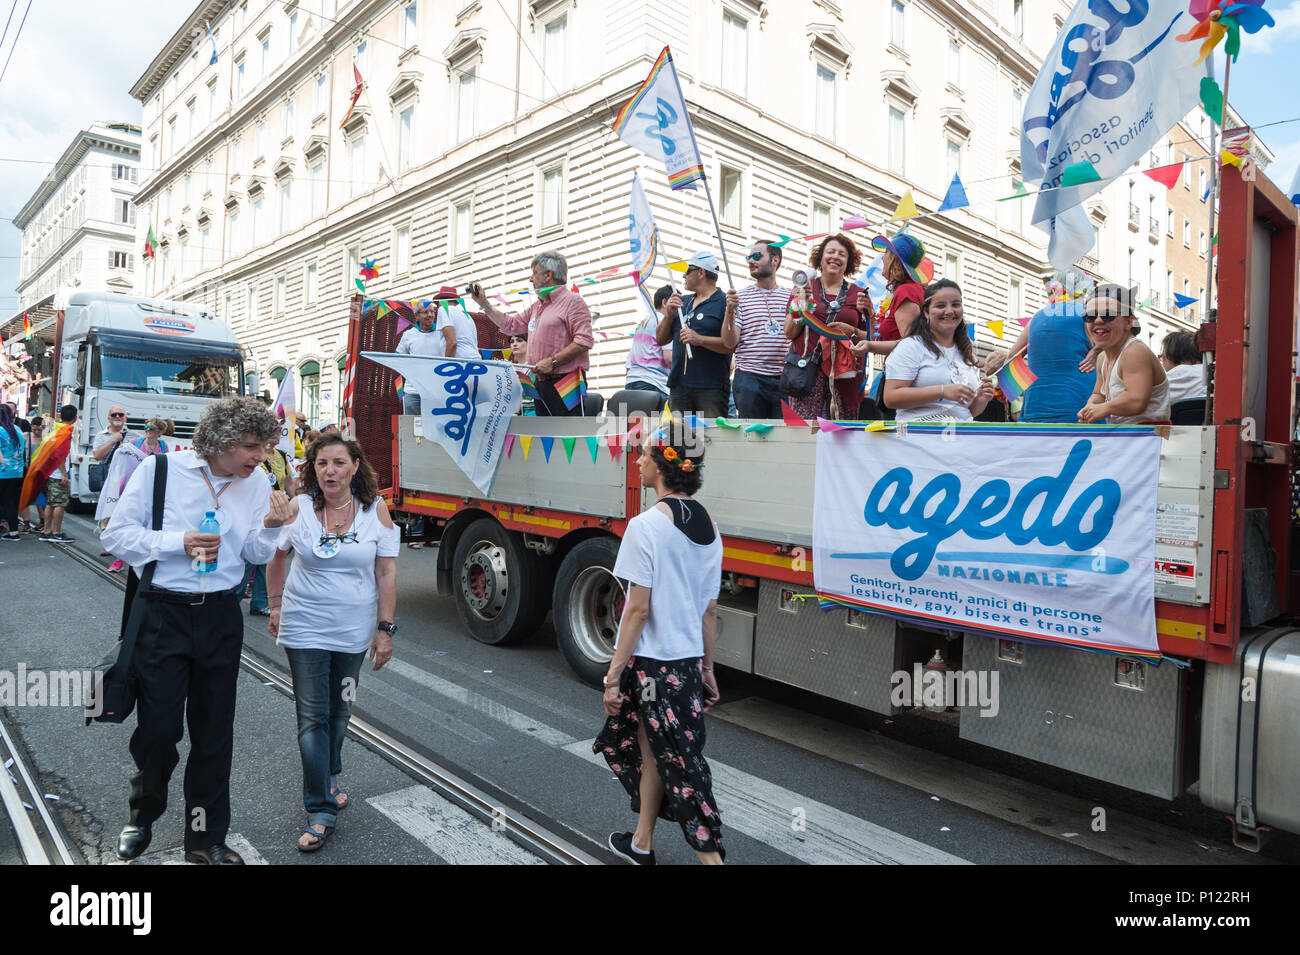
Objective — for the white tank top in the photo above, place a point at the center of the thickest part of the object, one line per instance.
(1157, 408)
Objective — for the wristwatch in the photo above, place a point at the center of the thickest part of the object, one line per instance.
(388, 627)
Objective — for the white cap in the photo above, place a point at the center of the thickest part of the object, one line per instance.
(705, 260)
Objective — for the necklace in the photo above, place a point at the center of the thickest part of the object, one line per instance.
(340, 507)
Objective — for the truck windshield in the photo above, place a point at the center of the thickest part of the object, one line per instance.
(204, 375)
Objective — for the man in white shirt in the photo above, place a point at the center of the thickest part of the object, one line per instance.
(191, 629)
(457, 330)
(420, 339)
(106, 441)
(759, 336)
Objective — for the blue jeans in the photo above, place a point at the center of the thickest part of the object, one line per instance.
(757, 396)
(410, 403)
(324, 701)
(258, 573)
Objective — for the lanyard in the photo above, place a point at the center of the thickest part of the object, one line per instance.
(216, 495)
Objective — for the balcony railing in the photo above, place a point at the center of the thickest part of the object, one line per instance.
(1134, 216)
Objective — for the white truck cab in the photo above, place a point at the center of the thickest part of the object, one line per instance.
(155, 359)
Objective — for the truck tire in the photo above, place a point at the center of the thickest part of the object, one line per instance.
(500, 586)
(586, 608)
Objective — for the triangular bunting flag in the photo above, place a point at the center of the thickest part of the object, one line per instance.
(955, 198)
(636, 276)
(526, 442)
(1019, 193)
(615, 442)
(996, 327)
(1079, 173)
(1229, 159)
(856, 222)
(666, 417)
(1182, 301)
(547, 444)
(1167, 176)
(593, 445)
(790, 418)
(506, 353)
(906, 208)
(509, 444)
(829, 426)
(568, 447)
(1146, 302)
(781, 239)
(677, 266)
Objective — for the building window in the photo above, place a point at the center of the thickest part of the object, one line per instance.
(1015, 303)
(171, 137)
(119, 260)
(286, 205)
(1187, 234)
(1169, 222)
(897, 18)
(259, 141)
(357, 163)
(1018, 19)
(360, 57)
(265, 66)
(897, 140)
(351, 266)
(466, 104)
(185, 191)
(189, 122)
(239, 77)
(735, 53)
(318, 95)
(405, 120)
(954, 159)
(553, 56)
(1201, 185)
(462, 229)
(954, 64)
(293, 31)
(553, 197)
(185, 257)
(278, 305)
(309, 283)
(123, 212)
(1201, 246)
(952, 267)
(410, 25)
(824, 106)
(232, 233)
(250, 313)
(288, 119)
(124, 173)
(821, 218)
(256, 221)
(236, 155)
(730, 198)
(402, 250)
(310, 374)
(1187, 172)
(212, 102)
(317, 172)
(1017, 108)
(204, 235)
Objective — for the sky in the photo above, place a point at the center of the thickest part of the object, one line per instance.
(75, 61)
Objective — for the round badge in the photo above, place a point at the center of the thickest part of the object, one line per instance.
(325, 549)
(803, 362)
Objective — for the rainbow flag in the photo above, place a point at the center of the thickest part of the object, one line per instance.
(809, 320)
(656, 122)
(529, 385)
(45, 461)
(572, 388)
(400, 382)
(1015, 378)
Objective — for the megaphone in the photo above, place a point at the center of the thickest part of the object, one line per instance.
(802, 278)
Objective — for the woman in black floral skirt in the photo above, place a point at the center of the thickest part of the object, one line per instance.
(661, 679)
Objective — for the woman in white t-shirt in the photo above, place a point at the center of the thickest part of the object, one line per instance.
(343, 578)
(661, 680)
(932, 374)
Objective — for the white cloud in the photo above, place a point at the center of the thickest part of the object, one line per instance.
(1286, 161)
(1287, 27)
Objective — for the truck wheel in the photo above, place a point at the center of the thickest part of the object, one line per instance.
(500, 586)
(587, 606)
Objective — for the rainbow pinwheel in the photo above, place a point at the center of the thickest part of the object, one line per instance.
(1216, 19)
(369, 270)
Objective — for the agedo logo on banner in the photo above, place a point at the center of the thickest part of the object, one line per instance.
(1059, 547)
(465, 406)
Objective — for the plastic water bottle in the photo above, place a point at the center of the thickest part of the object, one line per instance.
(208, 525)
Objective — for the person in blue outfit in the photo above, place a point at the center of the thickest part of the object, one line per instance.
(1058, 353)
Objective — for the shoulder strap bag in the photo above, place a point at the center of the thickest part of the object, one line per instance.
(111, 696)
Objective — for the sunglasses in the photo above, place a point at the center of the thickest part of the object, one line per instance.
(692, 268)
(117, 414)
(349, 538)
(755, 256)
(1091, 319)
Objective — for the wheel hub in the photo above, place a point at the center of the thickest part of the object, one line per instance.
(595, 609)
(485, 581)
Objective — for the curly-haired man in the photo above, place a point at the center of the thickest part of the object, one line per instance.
(191, 628)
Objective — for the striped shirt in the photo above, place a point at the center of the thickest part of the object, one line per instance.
(760, 323)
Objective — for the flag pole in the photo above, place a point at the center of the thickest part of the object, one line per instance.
(1207, 359)
(717, 229)
(1010, 359)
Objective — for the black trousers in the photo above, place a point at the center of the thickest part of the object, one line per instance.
(551, 404)
(10, 490)
(187, 655)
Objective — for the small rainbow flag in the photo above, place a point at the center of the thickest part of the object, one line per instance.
(529, 384)
(810, 320)
(1015, 378)
(572, 388)
(400, 382)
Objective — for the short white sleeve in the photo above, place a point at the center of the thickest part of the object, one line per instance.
(635, 562)
(904, 362)
(390, 539)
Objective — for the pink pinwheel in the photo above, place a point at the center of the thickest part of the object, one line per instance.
(1216, 19)
(369, 270)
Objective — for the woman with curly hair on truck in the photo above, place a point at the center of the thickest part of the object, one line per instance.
(660, 681)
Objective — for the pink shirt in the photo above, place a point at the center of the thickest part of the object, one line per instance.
(552, 324)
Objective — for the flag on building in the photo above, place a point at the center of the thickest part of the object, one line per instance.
(151, 245)
(1151, 82)
(284, 409)
(356, 95)
(656, 122)
(27, 325)
(212, 61)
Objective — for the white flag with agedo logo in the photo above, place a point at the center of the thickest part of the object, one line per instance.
(465, 406)
(1115, 81)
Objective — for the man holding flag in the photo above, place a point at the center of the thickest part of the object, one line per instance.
(47, 472)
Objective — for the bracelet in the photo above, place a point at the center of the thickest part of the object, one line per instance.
(607, 685)
(704, 667)
(941, 387)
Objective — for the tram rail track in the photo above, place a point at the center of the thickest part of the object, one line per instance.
(474, 797)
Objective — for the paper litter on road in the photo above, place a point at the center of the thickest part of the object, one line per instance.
(944, 829)
(9, 762)
(29, 807)
(1069, 835)
(935, 798)
(51, 797)
(487, 671)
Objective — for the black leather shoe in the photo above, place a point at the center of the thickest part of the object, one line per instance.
(214, 855)
(133, 841)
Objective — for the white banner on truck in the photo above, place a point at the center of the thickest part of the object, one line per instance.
(465, 406)
(1047, 533)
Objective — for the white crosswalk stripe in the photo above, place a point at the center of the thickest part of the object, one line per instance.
(448, 831)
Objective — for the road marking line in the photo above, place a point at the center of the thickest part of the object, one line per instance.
(448, 831)
(176, 856)
(483, 704)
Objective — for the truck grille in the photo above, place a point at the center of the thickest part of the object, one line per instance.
(184, 429)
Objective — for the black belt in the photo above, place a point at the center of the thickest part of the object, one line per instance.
(162, 595)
